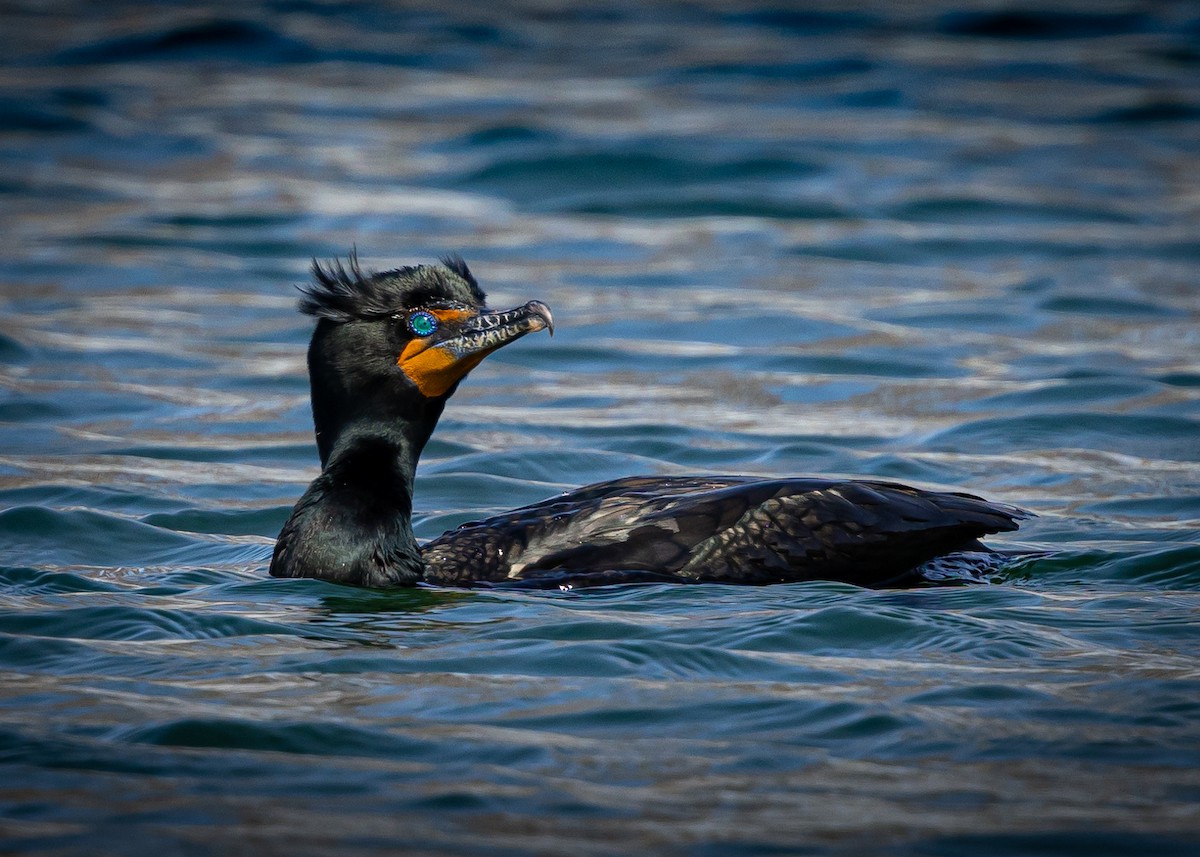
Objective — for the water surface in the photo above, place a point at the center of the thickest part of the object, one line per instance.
(954, 245)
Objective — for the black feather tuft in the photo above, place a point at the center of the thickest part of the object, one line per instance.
(342, 292)
(458, 265)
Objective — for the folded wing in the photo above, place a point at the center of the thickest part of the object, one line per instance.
(719, 529)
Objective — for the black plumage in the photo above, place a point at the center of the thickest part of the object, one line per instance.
(719, 529)
(379, 383)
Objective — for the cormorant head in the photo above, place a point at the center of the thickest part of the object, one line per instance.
(390, 347)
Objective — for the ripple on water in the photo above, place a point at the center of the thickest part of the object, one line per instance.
(134, 623)
(84, 536)
(1170, 567)
(244, 40)
(882, 630)
(1153, 437)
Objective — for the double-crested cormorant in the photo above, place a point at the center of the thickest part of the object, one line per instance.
(389, 349)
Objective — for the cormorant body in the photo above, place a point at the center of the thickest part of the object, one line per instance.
(390, 348)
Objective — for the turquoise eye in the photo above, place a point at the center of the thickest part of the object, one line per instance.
(422, 323)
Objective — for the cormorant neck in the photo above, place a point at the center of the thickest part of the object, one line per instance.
(381, 465)
(354, 524)
(402, 422)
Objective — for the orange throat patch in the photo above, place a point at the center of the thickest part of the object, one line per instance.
(435, 369)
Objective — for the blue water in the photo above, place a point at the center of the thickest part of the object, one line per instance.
(951, 244)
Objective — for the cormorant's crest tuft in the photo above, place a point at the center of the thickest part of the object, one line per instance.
(344, 292)
(458, 265)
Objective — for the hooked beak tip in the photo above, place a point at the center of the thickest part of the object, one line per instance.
(540, 310)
